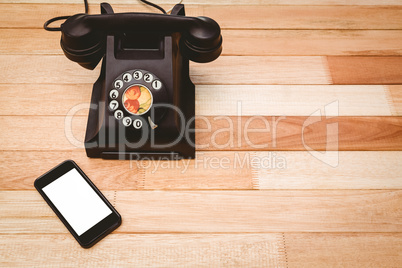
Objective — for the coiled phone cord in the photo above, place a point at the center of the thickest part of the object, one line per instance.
(47, 28)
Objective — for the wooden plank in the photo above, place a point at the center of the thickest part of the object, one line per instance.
(343, 250)
(365, 70)
(262, 70)
(215, 171)
(243, 42)
(395, 98)
(235, 16)
(289, 100)
(225, 70)
(145, 250)
(353, 170)
(288, 133)
(52, 99)
(121, 175)
(130, 175)
(41, 132)
(27, 69)
(268, 250)
(15, 41)
(57, 69)
(306, 17)
(222, 211)
(261, 211)
(259, 133)
(168, 3)
(312, 42)
(210, 170)
(212, 100)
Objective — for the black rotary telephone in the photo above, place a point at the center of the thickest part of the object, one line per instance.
(143, 103)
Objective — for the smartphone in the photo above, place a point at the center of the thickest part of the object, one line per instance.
(78, 203)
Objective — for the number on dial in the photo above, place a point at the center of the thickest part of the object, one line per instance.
(137, 75)
(127, 121)
(118, 114)
(148, 77)
(156, 84)
(118, 84)
(137, 123)
(113, 105)
(127, 77)
(114, 94)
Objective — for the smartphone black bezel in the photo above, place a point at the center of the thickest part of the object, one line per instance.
(98, 231)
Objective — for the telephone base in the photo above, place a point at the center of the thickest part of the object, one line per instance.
(143, 103)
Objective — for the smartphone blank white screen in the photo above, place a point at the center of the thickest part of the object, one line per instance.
(79, 204)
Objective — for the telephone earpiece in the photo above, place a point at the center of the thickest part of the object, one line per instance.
(203, 41)
(83, 36)
(81, 43)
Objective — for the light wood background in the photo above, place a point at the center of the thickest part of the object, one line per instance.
(284, 60)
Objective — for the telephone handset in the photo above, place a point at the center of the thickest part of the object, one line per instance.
(143, 103)
(84, 36)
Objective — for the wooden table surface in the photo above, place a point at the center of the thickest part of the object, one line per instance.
(317, 181)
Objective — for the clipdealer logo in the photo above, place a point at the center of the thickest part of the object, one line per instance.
(329, 156)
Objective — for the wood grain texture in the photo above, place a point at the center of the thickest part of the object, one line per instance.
(352, 170)
(395, 98)
(222, 211)
(268, 250)
(299, 133)
(224, 70)
(145, 250)
(215, 171)
(222, 133)
(234, 16)
(237, 2)
(343, 250)
(365, 70)
(131, 175)
(52, 99)
(42, 133)
(235, 204)
(111, 175)
(312, 42)
(251, 70)
(243, 42)
(213, 100)
(290, 100)
(306, 17)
